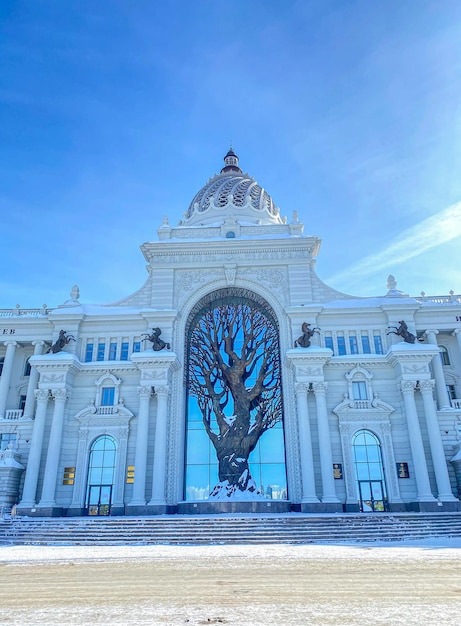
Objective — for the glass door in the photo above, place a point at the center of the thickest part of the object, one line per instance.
(99, 499)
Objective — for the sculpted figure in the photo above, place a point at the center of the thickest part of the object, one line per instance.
(61, 341)
(402, 331)
(305, 340)
(154, 337)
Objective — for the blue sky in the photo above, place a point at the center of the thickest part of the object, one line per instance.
(114, 113)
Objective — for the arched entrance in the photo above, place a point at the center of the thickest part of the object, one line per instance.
(101, 473)
(369, 472)
(235, 447)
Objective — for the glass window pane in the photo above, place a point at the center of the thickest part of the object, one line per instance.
(366, 344)
(198, 446)
(89, 353)
(112, 351)
(378, 344)
(271, 446)
(124, 351)
(353, 345)
(341, 346)
(101, 351)
(107, 396)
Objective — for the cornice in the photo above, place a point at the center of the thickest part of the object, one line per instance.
(177, 253)
(359, 360)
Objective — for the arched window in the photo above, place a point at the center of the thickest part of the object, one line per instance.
(444, 355)
(101, 474)
(234, 442)
(107, 393)
(369, 471)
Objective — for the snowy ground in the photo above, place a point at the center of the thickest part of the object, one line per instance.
(394, 584)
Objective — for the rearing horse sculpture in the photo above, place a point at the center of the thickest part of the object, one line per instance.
(60, 342)
(305, 340)
(154, 337)
(403, 332)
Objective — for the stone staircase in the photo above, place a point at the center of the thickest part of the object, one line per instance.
(218, 530)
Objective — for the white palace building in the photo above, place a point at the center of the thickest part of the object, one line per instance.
(233, 380)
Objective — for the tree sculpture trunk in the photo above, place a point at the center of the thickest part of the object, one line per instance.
(234, 373)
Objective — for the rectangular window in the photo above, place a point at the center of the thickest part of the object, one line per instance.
(5, 439)
(136, 346)
(359, 390)
(27, 368)
(353, 344)
(101, 351)
(378, 344)
(451, 392)
(89, 352)
(341, 345)
(124, 351)
(107, 396)
(329, 343)
(366, 344)
(22, 402)
(112, 351)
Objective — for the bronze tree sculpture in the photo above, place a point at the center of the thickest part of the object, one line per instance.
(234, 374)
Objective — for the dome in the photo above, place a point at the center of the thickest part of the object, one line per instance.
(232, 193)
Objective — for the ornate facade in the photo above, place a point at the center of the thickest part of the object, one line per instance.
(105, 421)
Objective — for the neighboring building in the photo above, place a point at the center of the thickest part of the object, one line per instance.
(115, 423)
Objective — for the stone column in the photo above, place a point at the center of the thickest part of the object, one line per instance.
(305, 445)
(158, 479)
(416, 442)
(5, 378)
(33, 380)
(437, 368)
(140, 459)
(435, 440)
(35, 451)
(326, 457)
(54, 449)
(457, 333)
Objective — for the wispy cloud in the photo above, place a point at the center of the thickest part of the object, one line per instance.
(412, 242)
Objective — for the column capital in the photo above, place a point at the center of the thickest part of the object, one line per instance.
(41, 395)
(60, 395)
(428, 332)
(407, 386)
(11, 342)
(320, 388)
(37, 342)
(145, 392)
(456, 332)
(162, 391)
(302, 388)
(426, 386)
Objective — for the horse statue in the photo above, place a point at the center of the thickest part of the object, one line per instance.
(154, 337)
(60, 342)
(305, 340)
(402, 331)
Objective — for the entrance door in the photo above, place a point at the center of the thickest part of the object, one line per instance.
(101, 472)
(369, 472)
(99, 499)
(371, 496)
